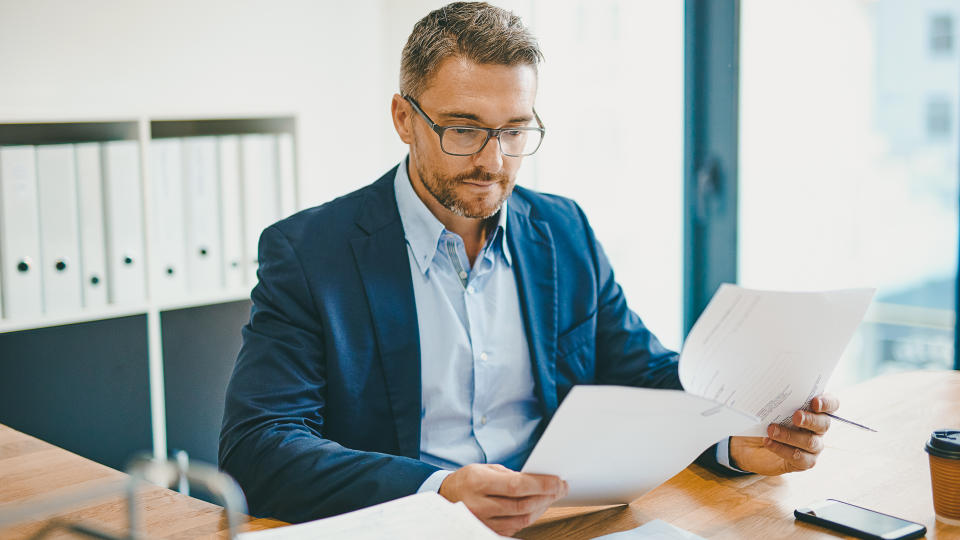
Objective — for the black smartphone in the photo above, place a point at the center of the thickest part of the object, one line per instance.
(858, 521)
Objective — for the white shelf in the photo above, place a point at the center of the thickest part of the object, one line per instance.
(144, 129)
(197, 301)
(114, 312)
(110, 312)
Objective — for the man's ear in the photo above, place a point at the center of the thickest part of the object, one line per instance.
(401, 113)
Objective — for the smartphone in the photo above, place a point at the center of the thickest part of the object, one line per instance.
(858, 521)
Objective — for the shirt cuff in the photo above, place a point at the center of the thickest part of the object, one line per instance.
(723, 456)
(432, 483)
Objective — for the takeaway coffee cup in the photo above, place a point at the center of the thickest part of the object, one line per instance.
(944, 450)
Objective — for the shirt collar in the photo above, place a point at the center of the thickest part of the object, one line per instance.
(423, 230)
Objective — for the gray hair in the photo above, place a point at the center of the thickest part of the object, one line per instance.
(476, 31)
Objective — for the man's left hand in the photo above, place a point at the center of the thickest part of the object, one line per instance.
(786, 449)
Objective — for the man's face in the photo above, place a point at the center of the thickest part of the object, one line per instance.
(465, 93)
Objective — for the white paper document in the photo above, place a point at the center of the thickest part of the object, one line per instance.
(767, 353)
(612, 444)
(753, 358)
(422, 516)
(652, 530)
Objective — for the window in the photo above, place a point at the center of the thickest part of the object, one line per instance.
(839, 183)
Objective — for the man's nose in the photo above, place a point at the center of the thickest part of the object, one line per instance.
(490, 158)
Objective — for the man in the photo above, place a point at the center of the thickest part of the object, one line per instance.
(419, 333)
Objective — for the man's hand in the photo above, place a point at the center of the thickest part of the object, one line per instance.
(786, 449)
(504, 500)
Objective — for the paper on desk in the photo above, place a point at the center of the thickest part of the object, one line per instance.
(652, 530)
(767, 353)
(422, 516)
(612, 444)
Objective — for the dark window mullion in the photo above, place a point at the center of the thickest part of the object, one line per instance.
(711, 113)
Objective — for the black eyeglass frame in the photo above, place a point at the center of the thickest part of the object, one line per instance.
(491, 132)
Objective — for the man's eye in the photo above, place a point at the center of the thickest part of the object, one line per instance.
(464, 131)
(513, 133)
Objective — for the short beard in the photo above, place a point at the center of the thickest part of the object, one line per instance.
(443, 190)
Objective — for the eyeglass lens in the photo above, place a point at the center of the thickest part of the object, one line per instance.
(465, 140)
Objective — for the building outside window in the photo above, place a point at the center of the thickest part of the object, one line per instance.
(941, 34)
(939, 121)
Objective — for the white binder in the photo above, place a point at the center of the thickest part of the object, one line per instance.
(168, 262)
(202, 192)
(261, 200)
(231, 223)
(93, 261)
(288, 175)
(20, 234)
(126, 276)
(59, 238)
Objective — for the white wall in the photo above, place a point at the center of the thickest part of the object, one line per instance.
(611, 96)
(102, 59)
(613, 67)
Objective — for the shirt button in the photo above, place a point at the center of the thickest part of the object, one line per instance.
(463, 275)
(471, 290)
(483, 356)
(483, 420)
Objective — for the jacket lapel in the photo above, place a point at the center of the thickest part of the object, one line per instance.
(535, 267)
(381, 258)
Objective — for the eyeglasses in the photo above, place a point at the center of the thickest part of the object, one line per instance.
(469, 140)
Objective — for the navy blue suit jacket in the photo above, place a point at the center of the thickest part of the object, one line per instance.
(323, 408)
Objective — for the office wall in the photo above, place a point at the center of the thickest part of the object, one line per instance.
(335, 65)
(97, 59)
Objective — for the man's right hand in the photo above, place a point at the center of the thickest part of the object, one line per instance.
(504, 500)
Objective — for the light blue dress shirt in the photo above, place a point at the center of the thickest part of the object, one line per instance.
(478, 401)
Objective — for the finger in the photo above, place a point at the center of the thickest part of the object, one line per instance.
(508, 526)
(515, 484)
(510, 506)
(794, 459)
(805, 440)
(817, 423)
(825, 403)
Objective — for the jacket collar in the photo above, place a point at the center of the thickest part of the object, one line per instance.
(381, 259)
(530, 240)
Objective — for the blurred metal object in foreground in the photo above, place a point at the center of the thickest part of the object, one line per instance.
(142, 469)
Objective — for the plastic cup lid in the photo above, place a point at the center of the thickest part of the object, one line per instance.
(944, 443)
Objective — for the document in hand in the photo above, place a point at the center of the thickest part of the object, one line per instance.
(422, 516)
(752, 359)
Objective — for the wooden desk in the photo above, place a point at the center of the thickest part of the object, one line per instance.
(886, 471)
(31, 469)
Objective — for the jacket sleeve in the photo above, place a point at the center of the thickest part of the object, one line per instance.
(272, 438)
(627, 352)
